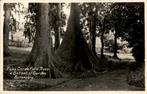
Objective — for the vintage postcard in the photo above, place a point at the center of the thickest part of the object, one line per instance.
(73, 46)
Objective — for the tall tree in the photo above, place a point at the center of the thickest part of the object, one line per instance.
(127, 18)
(72, 55)
(58, 21)
(102, 41)
(115, 24)
(103, 28)
(94, 14)
(92, 29)
(115, 48)
(9, 24)
(57, 27)
(12, 26)
(90, 12)
(41, 53)
(102, 25)
(74, 50)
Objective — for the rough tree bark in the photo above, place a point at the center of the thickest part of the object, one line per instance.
(41, 53)
(74, 52)
(7, 11)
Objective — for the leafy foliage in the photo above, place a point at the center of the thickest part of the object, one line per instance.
(96, 10)
(57, 19)
(13, 23)
(57, 16)
(128, 21)
(30, 25)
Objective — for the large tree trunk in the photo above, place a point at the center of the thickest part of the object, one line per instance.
(74, 52)
(6, 29)
(41, 53)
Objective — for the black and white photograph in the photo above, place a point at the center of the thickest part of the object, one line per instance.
(73, 46)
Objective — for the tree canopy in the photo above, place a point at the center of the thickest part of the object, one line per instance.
(128, 21)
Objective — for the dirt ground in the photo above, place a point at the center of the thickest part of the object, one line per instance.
(112, 80)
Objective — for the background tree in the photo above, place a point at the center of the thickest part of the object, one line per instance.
(104, 29)
(135, 23)
(10, 23)
(7, 14)
(58, 22)
(29, 26)
(115, 24)
(93, 15)
(90, 15)
(126, 19)
(13, 26)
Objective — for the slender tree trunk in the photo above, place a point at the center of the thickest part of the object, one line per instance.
(57, 28)
(57, 38)
(41, 53)
(115, 45)
(12, 39)
(102, 45)
(6, 29)
(94, 38)
(92, 28)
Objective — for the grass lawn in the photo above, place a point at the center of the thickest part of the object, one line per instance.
(112, 80)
